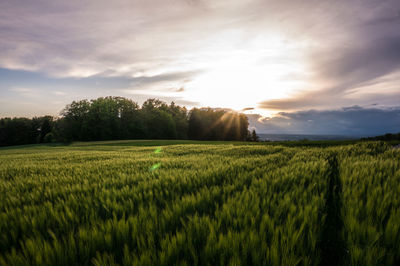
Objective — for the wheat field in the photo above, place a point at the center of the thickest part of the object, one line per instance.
(199, 203)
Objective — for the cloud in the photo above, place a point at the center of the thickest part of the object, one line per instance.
(26, 92)
(141, 98)
(179, 77)
(354, 120)
(382, 91)
(59, 93)
(356, 50)
(362, 63)
(340, 54)
(85, 39)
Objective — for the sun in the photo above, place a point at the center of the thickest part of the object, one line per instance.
(241, 78)
(236, 84)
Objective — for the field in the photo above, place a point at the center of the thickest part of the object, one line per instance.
(200, 203)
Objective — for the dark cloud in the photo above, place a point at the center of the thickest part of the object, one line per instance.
(327, 99)
(357, 47)
(393, 17)
(353, 120)
(356, 65)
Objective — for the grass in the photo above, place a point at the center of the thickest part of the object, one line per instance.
(199, 203)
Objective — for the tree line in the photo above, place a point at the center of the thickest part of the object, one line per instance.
(386, 137)
(112, 118)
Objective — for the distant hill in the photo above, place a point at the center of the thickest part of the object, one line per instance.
(386, 137)
(294, 137)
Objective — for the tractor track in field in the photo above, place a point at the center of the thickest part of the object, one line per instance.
(331, 246)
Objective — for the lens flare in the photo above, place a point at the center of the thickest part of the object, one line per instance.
(155, 167)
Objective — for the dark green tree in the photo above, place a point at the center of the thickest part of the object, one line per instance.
(109, 118)
(217, 124)
(42, 126)
(159, 123)
(254, 136)
(73, 124)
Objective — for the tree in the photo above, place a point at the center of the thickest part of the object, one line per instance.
(131, 119)
(254, 136)
(104, 118)
(217, 124)
(73, 125)
(180, 117)
(41, 126)
(109, 118)
(17, 131)
(159, 123)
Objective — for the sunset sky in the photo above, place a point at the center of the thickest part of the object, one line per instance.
(322, 67)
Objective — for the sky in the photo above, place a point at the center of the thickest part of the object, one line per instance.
(301, 67)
